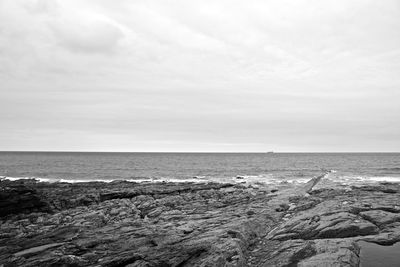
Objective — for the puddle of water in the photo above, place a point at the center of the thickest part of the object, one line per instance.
(373, 255)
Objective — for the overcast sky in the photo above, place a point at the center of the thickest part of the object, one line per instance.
(225, 75)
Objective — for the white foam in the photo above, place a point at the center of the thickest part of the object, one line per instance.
(172, 180)
(26, 178)
(255, 180)
(175, 180)
(53, 180)
(140, 180)
(385, 179)
(354, 180)
(144, 180)
(300, 180)
(73, 181)
(366, 179)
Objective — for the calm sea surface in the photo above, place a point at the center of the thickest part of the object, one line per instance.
(73, 166)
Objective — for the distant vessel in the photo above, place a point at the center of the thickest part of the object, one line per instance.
(270, 152)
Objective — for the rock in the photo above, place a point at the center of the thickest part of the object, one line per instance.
(308, 187)
(333, 253)
(122, 259)
(250, 212)
(337, 225)
(288, 253)
(282, 207)
(155, 212)
(71, 260)
(118, 230)
(36, 250)
(380, 217)
(18, 198)
(185, 229)
(114, 212)
(186, 224)
(385, 188)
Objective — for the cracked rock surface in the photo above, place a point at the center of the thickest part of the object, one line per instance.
(185, 224)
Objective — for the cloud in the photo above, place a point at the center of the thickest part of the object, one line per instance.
(81, 30)
(192, 74)
(93, 37)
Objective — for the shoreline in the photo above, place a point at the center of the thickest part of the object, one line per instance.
(254, 180)
(191, 224)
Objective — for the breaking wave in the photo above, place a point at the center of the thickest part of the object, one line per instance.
(331, 178)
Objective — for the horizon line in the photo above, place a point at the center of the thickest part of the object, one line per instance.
(204, 152)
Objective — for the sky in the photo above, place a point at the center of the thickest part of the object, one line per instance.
(223, 76)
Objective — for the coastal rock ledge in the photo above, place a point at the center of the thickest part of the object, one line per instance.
(186, 224)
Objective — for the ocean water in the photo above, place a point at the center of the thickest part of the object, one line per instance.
(200, 167)
(373, 255)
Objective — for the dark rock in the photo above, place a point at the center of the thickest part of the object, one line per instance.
(121, 260)
(18, 198)
(186, 224)
(121, 224)
(250, 212)
(282, 207)
(389, 190)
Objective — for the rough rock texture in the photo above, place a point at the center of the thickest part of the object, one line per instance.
(123, 223)
(16, 197)
(322, 222)
(186, 224)
(323, 229)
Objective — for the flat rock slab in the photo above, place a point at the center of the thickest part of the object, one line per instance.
(36, 250)
(380, 217)
(312, 225)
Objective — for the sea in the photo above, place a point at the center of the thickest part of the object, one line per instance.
(252, 168)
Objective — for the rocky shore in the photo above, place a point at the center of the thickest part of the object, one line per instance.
(186, 224)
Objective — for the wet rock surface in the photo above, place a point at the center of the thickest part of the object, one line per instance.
(186, 224)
